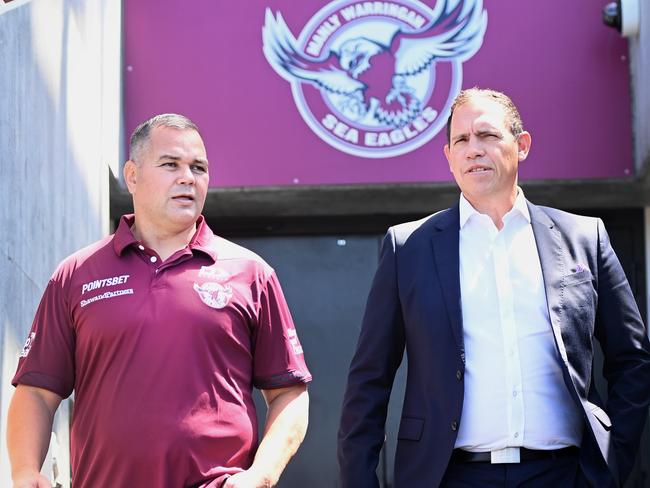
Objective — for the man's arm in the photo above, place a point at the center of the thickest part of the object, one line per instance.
(379, 353)
(286, 424)
(29, 427)
(626, 352)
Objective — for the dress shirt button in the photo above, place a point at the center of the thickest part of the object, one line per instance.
(153, 259)
(141, 247)
(459, 375)
(454, 425)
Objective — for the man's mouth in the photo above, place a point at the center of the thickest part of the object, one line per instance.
(479, 169)
(183, 198)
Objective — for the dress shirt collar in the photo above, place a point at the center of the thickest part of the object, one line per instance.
(520, 206)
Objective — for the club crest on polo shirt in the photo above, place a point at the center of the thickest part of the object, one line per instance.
(214, 294)
(28, 345)
(376, 79)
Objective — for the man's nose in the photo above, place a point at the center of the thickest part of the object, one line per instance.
(186, 176)
(474, 148)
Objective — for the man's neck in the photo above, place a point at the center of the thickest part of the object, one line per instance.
(495, 208)
(164, 242)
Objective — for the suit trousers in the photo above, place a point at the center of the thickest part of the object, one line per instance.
(541, 473)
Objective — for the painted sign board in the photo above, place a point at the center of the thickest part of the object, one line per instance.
(357, 92)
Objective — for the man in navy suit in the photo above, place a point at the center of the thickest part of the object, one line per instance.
(497, 303)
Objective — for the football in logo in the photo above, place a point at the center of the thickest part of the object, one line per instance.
(376, 79)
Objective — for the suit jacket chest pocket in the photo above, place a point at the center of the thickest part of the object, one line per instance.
(579, 302)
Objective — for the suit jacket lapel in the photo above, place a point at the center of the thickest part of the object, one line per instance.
(551, 257)
(445, 250)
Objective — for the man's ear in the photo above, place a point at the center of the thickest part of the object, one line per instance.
(130, 170)
(524, 141)
(446, 150)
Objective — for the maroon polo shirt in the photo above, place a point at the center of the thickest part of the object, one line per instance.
(162, 357)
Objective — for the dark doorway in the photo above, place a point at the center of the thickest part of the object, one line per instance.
(326, 279)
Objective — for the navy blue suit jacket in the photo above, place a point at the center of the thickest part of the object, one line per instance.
(414, 304)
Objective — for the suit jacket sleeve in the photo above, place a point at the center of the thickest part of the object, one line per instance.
(624, 341)
(378, 355)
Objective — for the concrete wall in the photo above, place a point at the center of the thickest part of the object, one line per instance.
(59, 130)
(640, 69)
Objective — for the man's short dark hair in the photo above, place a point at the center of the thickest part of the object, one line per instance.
(142, 133)
(514, 119)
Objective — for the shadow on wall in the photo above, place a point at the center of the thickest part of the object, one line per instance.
(52, 180)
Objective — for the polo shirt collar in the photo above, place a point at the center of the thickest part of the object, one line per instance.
(200, 241)
(466, 210)
(203, 238)
(123, 236)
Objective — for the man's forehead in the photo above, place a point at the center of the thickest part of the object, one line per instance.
(164, 138)
(167, 132)
(479, 111)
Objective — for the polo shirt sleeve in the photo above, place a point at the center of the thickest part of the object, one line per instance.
(47, 359)
(278, 359)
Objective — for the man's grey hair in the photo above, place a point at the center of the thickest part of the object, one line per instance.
(514, 121)
(142, 133)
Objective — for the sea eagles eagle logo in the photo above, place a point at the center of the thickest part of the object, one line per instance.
(214, 294)
(376, 79)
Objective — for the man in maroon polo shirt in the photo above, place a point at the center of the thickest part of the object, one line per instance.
(162, 330)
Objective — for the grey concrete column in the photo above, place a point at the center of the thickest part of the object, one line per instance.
(60, 109)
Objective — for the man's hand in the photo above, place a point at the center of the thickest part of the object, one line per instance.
(247, 479)
(31, 480)
(286, 423)
(29, 427)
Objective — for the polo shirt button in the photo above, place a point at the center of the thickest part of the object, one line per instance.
(459, 375)
(141, 247)
(153, 259)
(454, 425)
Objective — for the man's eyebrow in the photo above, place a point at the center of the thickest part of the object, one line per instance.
(479, 132)
(167, 157)
(458, 136)
(487, 131)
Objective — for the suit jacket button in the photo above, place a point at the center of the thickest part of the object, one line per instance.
(459, 375)
(454, 425)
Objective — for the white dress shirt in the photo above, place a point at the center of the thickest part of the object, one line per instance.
(514, 392)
